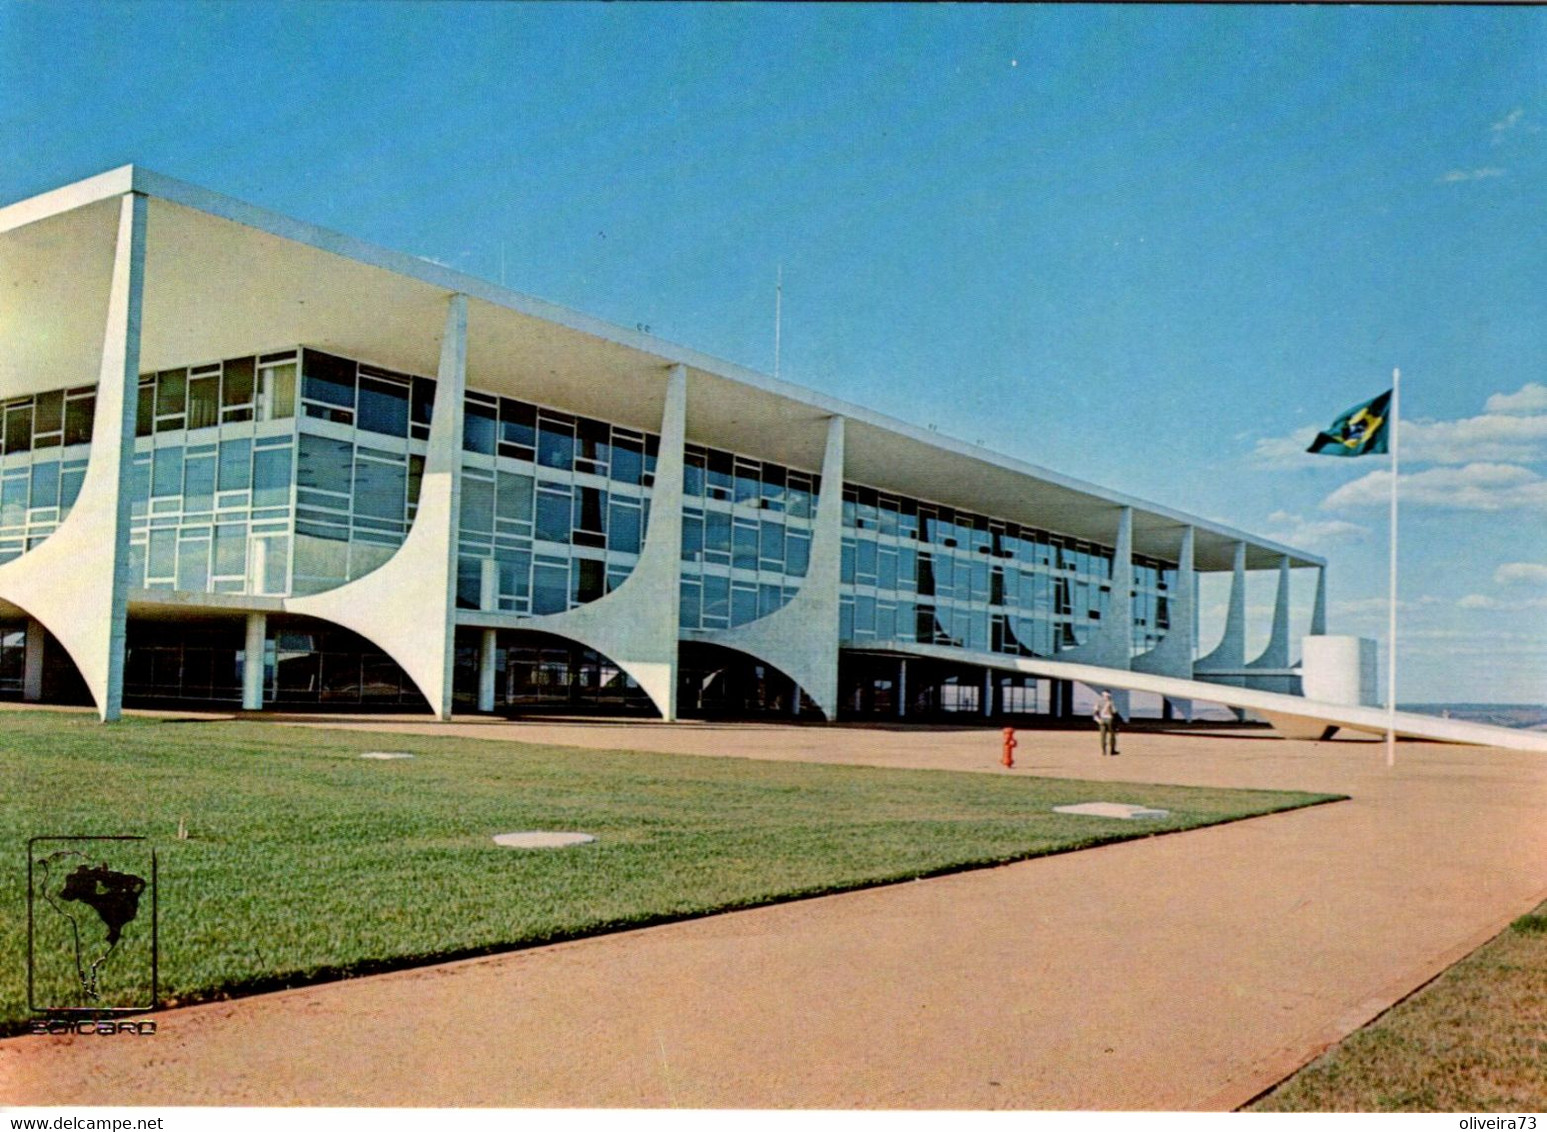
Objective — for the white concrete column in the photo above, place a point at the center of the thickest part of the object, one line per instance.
(257, 565)
(487, 661)
(1276, 654)
(1230, 654)
(405, 606)
(489, 585)
(1111, 646)
(32, 662)
(902, 688)
(1173, 656)
(635, 626)
(988, 692)
(801, 638)
(252, 661)
(1319, 610)
(77, 580)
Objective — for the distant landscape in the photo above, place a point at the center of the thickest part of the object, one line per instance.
(1529, 717)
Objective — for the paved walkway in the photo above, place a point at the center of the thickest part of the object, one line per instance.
(1183, 972)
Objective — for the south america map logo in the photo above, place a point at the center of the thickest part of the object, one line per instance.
(92, 946)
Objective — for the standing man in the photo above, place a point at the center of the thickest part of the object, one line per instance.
(1105, 716)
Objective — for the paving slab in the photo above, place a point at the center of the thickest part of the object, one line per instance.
(1189, 971)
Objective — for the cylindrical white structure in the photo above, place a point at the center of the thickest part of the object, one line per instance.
(1339, 670)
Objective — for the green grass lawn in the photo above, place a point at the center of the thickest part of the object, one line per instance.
(304, 861)
(1473, 1040)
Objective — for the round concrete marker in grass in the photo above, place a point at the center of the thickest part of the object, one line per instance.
(386, 755)
(542, 839)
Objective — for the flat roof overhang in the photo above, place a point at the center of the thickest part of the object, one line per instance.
(223, 278)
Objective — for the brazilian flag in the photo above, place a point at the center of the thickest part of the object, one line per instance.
(1359, 432)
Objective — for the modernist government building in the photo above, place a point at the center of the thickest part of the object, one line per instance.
(251, 463)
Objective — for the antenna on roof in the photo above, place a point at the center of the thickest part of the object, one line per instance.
(778, 313)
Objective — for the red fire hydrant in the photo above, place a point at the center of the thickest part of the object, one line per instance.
(1009, 747)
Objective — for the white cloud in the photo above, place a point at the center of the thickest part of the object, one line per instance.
(1521, 574)
(1300, 531)
(1529, 398)
(1492, 438)
(1502, 605)
(1285, 451)
(1455, 176)
(1474, 487)
(1508, 122)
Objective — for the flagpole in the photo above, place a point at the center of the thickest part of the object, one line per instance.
(1391, 629)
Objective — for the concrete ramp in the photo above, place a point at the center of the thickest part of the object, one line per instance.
(1292, 716)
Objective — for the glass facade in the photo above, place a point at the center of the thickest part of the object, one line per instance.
(915, 571)
(746, 537)
(44, 443)
(554, 506)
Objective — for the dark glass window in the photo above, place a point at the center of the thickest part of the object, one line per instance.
(422, 401)
(78, 415)
(553, 515)
(171, 392)
(383, 407)
(479, 422)
(469, 582)
(204, 401)
(48, 412)
(145, 411)
(550, 588)
(628, 463)
(18, 428)
(588, 578)
(623, 529)
(744, 548)
(328, 379)
(236, 384)
(518, 427)
(717, 532)
(556, 443)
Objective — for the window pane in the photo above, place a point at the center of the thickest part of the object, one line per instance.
(45, 484)
(556, 445)
(383, 407)
(623, 529)
(49, 412)
(199, 484)
(13, 501)
(477, 504)
(231, 549)
(271, 477)
(325, 463)
(78, 415)
(193, 565)
(18, 428)
(423, 400)
(235, 465)
(162, 560)
(515, 497)
(478, 427)
(167, 476)
(204, 402)
(628, 463)
(237, 382)
(278, 386)
(550, 589)
(145, 412)
(380, 489)
(588, 578)
(518, 423)
(553, 516)
(717, 531)
(328, 379)
(171, 392)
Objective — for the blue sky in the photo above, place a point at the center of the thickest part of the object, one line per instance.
(1147, 246)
